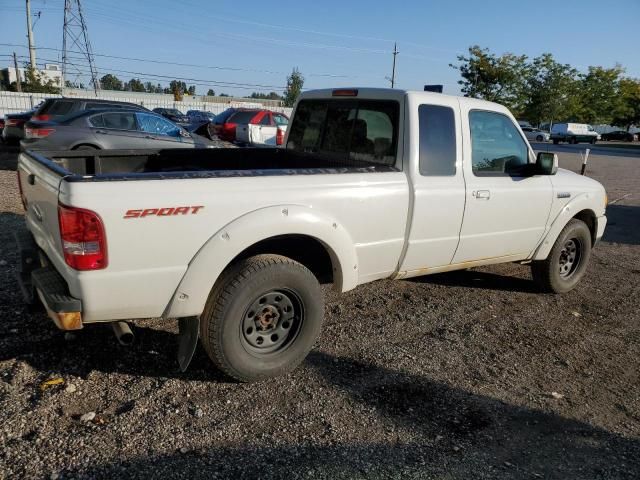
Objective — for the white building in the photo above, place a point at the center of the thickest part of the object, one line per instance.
(51, 72)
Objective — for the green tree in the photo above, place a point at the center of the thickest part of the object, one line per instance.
(191, 90)
(499, 79)
(599, 98)
(135, 85)
(110, 82)
(211, 93)
(266, 96)
(295, 82)
(177, 88)
(552, 91)
(628, 111)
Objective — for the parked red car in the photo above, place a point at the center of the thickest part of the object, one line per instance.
(227, 130)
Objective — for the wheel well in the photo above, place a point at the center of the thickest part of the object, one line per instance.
(301, 248)
(85, 145)
(588, 217)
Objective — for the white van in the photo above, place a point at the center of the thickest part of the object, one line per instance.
(573, 133)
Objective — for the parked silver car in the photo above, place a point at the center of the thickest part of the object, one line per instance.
(535, 134)
(110, 129)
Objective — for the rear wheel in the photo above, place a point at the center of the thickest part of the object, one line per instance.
(539, 138)
(567, 262)
(262, 317)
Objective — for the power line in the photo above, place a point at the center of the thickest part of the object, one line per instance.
(152, 76)
(178, 64)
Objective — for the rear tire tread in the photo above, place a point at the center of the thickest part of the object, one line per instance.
(223, 291)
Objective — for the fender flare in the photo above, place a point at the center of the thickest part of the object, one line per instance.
(580, 203)
(227, 243)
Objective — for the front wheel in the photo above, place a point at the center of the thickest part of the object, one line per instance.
(567, 262)
(539, 138)
(262, 317)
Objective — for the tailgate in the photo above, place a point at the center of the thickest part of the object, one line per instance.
(39, 185)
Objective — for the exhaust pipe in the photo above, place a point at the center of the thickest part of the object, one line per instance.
(123, 333)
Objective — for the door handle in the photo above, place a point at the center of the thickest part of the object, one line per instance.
(481, 194)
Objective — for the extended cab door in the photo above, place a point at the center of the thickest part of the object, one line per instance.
(506, 212)
(437, 178)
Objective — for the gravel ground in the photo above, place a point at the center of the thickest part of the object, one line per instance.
(470, 374)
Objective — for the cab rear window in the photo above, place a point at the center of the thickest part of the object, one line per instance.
(360, 130)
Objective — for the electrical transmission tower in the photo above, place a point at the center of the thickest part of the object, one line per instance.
(78, 66)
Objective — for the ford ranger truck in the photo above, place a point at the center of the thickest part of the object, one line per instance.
(370, 184)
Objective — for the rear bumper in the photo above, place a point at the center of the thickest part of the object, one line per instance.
(46, 284)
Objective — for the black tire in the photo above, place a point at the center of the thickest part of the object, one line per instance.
(567, 262)
(556, 142)
(255, 301)
(539, 138)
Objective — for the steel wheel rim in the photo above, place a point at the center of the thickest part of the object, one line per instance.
(570, 257)
(271, 322)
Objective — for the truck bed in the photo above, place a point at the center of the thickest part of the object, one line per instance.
(106, 165)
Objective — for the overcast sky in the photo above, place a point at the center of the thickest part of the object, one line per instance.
(252, 45)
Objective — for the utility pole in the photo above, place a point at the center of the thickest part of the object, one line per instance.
(32, 49)
(393, 73)
(15, 64)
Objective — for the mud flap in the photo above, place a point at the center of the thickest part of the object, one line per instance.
(189, 328)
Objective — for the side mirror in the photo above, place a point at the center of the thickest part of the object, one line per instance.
(546, 163)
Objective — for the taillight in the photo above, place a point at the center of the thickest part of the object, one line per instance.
(229, 130)
(30, 132)
(279, 137)
(84, 243)
(14, 122)
(41, 118)
(1, 122)
(22, 197)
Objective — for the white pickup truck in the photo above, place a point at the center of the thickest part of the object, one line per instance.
(372, 184)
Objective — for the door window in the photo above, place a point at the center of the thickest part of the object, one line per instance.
(157, 125)
(437, 140)
(496, 145)
(97, 121)
(266, 119)
(280, 120)
(120, 121)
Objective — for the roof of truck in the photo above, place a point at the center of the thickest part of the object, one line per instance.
(393, 93)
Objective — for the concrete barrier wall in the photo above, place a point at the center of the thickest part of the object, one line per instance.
(13, 102)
